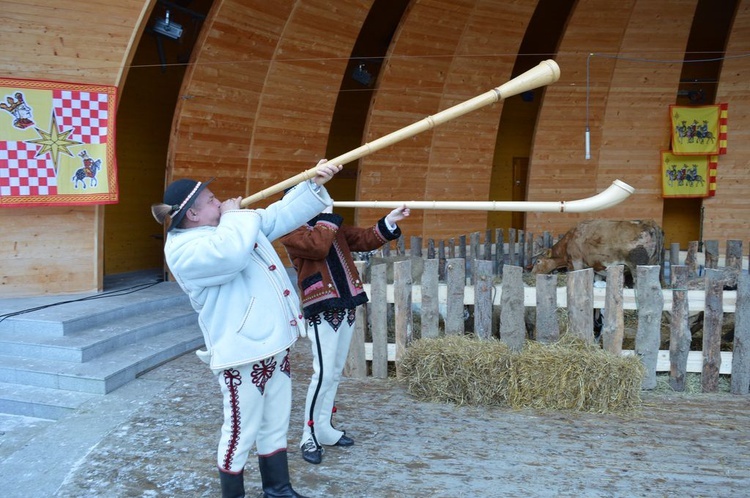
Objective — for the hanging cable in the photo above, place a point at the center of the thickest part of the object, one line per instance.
(587, 132)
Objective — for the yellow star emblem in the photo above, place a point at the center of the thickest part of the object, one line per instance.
(54, 142)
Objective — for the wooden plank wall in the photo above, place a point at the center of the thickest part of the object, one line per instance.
(133, 240)
(262, 93)
(726, 215)
(444, 53)
(59, 250)
(256, 108)
(636, 123)
(268, 118)
(628, 104)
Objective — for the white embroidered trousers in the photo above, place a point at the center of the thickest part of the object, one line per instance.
(330, 339)
(257, 407)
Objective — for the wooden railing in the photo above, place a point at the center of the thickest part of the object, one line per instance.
(434, 297)
(520, 248)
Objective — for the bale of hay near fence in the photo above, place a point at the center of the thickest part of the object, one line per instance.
(567, 375)
(573, 374)
(457, 369)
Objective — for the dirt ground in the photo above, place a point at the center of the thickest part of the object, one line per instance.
(677, 446)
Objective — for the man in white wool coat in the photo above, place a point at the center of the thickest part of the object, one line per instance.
(249, 312)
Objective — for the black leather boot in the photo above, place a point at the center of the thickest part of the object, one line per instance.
(232, 485)
(274, 472)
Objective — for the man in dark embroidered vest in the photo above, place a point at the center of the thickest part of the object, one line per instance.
(331, 290)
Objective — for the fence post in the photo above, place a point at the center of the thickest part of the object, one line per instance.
(539, 247)
(713, 317)
(404, 324)
(547, 243)
(711, 252)
(472, 255)
(379, 318)
(740, 383)
(674, 255)
(474, 245)
(483, 287)
(415, 247)
(679, 333)
(529, 250)
(461, 248)
(356, 363)
(580, 292)
(455, 276)
(733, 262)
(441, 260)
(733, 257)
(487, 245)
(547, 323)
(691, 259)
(512, 247)
(499, 251)
(521, 246)
(648, 335)
(462, 253)
(613, 318)
(512, 323)
(429, 314)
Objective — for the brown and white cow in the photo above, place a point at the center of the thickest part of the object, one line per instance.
(598, 244)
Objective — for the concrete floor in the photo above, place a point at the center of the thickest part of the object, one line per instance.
(156, 437)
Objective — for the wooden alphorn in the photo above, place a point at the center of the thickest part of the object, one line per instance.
(544, 73)
(614, 194)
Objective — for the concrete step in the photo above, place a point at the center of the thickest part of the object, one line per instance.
(40, 402)
(60, 316)
(106, 372)
(58, 352)
(85, 345)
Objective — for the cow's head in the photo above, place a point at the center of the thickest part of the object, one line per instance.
(542, 256)
(545, 263)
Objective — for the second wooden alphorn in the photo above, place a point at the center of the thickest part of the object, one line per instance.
(544, 73)
(613, 195)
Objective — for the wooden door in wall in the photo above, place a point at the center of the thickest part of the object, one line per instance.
(520, 175)
(682, 221)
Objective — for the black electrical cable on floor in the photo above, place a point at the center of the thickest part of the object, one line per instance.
(119, 292)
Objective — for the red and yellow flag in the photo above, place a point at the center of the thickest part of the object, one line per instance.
(688, 176)
(57, 143)
(699, 129)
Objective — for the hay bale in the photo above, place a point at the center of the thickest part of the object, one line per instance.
(574, 375)
(457, 369)
(567, 375)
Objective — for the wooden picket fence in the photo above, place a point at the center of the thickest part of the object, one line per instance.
(443, 286)
(520, 248)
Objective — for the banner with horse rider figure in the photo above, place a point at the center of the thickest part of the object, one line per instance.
(699, 130)
(688, 176)
(57, 143)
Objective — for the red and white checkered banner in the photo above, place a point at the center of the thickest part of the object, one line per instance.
(57, 143)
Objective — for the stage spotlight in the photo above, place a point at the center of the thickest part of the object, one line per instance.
(167, 28)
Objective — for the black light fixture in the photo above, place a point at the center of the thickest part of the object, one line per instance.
(694, 96)
(167, 27)
(362, 75)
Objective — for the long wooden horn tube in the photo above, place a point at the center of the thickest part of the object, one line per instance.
(544, 73)
(613, 195)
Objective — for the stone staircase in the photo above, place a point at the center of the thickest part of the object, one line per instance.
(59, 353)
